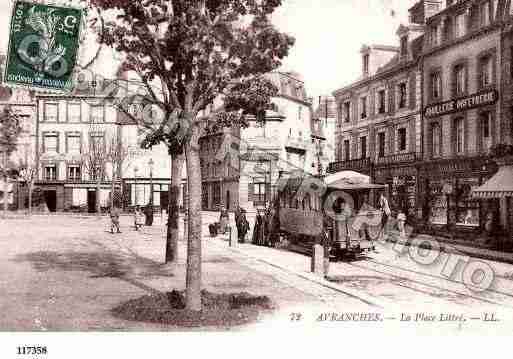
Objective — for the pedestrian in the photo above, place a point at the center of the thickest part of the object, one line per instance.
(148, 212)
(242, 224)
(114, 219)
(224, 220)
(385, 212)
(401, 220)
(138, 218)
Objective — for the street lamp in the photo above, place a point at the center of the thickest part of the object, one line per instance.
(150, 165)
(136, 169)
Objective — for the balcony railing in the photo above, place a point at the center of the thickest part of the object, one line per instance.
(358, 165)
(397, 159)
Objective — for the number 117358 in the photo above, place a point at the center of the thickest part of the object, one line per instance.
(32, 350)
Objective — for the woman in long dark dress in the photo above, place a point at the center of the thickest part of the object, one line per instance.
(242, 224)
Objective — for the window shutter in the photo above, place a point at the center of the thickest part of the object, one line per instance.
(465, 135)
(430, 140)
(453, 136)
(412, 86)
(391, 97)
(479, 131)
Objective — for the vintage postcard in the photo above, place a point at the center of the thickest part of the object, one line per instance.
(269, 169)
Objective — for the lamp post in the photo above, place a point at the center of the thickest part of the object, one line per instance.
(150, 165)
(135, 184)
(149, 211)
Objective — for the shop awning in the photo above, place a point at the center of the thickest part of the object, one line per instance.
(350, 180)
(499, 186)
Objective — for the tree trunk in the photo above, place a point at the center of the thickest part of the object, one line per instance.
(112, 189)
(98, 207)
(193, 277)
(31, 184)
(173, 211)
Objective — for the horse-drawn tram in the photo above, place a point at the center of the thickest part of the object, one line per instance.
(335, 212)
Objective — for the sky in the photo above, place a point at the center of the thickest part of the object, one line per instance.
(329, 35)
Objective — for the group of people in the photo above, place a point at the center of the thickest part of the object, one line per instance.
(267, 228)
(140, 218)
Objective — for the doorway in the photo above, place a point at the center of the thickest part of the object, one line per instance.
(91, 201)
(164, 200)
(51, 200)
(227, 200)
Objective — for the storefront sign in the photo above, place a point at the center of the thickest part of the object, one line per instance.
(462, 104)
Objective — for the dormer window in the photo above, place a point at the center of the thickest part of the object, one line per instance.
(404, 46)
(366, 63)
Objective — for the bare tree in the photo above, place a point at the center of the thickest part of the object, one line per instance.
(120, 157)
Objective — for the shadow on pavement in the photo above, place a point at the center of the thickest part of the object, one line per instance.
(98, 264)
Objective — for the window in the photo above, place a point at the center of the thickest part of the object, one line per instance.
(74, 112)
(366, 63)
(486, 131)
(96, 142)
(50, 173)
(436, 134)
(347, 152)
(404, 46)
(259, 194)
(363, 147)
(401, 139)
(434, 35)
(460, 26)
(460, 79)
(51, 112)
(73, 143)
(363, 106)
(486, 71)
(402, 95)
(436, 85)
(381, 144)
(74, 173)
(381, 101)
(51, 142)
(97, 114)
(300, 114)
(460, 135)
(484, 14)
(346, 114)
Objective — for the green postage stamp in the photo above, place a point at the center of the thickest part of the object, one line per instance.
(43, 46)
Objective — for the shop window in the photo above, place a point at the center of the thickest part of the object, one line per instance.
(402, 95)
(486, 71)
(436, 140)
(363, 147)
(381, 101)
(459, 80)
(486, 131)
(74, 173)
(216, 195)
(50, 173)
(459, 128)
(204, 196)
(438, 204)
(347, 150)
(381, 144)
(401, 139)
(460, 28)
(484, 14)
(467, 207)
(436, 85)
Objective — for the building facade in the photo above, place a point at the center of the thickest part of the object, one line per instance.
(379, 119)
(325, 118)
(465, 113)
(241, 165)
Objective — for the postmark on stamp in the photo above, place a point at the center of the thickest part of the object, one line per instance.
(43, 46)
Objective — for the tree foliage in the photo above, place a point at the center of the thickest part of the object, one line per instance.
(10, 129)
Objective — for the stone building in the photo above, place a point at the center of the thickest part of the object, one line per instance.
(467, 110)
(241, 165)
(379, 118)
(325, 116)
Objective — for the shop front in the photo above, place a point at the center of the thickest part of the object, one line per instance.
(448, 206)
